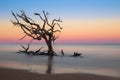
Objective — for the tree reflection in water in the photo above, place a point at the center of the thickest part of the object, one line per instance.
(49, 66)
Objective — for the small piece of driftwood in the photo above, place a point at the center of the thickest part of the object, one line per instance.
(77, 54)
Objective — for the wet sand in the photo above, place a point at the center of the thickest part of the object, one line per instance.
(12, 74)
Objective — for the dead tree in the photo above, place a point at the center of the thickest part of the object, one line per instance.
(45, 30)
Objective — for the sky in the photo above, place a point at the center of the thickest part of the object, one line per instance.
(84, 21)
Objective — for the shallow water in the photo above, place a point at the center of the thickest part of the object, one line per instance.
(98, 59)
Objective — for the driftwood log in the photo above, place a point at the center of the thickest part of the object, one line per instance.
(28, 52)
(77, 54)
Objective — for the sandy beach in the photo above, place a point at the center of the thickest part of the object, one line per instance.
(12, 74)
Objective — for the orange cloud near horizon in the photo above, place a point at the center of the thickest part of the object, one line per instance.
(92, 30)
(74, 31)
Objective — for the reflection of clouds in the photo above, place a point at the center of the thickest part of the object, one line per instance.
(58, 69)
(99, 71)
(24, 66)
(14, 65)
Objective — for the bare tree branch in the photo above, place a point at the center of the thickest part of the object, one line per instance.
(38, 50)
(57, 25)
(39, 16)
(23, 37)
(56, 20)
(15, 16)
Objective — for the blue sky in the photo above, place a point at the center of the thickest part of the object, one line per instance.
(65, 8)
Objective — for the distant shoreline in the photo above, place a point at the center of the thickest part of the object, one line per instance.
(38, 43)
(13, 74)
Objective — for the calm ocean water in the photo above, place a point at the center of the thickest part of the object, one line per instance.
(97, 59)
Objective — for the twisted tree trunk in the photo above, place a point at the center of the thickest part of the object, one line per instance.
(50, 48)
(49, 45)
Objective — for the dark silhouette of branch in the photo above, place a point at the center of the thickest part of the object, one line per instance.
(25, 49)
(38, 50)
(23, 37)
(39, 16)
(15, 16)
